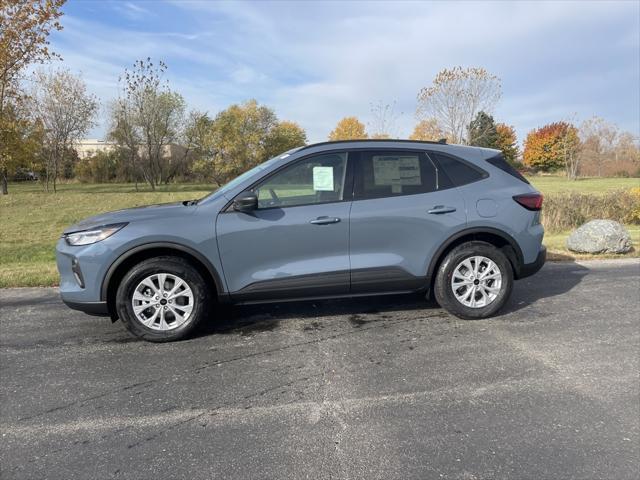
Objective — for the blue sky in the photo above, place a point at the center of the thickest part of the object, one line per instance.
(316, 62)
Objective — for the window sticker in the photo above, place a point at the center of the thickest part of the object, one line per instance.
(323, 179)
(396, 171)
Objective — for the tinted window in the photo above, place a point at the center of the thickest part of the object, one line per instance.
(459, 172)
(390, 174)
(318, 179)
(499, 162)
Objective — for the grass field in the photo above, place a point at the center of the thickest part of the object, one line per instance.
(549, 185)
(31, 220)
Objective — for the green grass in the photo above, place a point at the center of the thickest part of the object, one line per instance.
(549, 185)
(31, 220)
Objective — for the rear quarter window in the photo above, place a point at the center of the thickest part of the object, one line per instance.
(457, 170)
(499, 162)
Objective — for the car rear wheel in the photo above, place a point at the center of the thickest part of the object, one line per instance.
(474, 280)
(162, 299)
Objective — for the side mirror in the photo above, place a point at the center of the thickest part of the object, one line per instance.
(245, 202)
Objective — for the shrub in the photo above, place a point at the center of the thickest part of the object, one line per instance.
(100, 168)
(570, 210)
(634, 214)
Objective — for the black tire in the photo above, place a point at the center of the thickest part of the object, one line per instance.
(443, 291)
(166, 264)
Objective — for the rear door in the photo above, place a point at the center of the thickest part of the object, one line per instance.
(403, 209)
(296, 244)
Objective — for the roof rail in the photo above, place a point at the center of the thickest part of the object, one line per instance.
(442, 141)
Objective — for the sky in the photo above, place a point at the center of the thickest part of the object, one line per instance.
(316, 62)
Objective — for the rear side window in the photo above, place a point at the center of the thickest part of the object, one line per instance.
(499, 162)
(394, 173)
(459, 172)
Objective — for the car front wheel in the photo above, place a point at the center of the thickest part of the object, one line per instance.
(162, 299)
(474, 280)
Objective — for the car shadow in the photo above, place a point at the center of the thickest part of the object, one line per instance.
(249, 319)
(556, 278)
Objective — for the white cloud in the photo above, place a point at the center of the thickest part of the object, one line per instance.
(317, 62)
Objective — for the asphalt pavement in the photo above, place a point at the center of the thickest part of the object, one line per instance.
(385, 387)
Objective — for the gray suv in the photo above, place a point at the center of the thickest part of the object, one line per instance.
(335, 219)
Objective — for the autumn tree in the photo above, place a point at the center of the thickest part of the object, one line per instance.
(22, 140)
(569, 143)
(60, 102)
(149, 117)
(456, 96)
(245, 135)
(284, 136)
(552, 147)
(349, 128)
(24, 30)
(197, 140)
(428, 130)
(507, 142)
(482, 131)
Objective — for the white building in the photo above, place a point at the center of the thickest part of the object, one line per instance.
(88, 147)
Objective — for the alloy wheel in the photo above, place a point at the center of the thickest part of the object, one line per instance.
(162, 301)
(476, 281)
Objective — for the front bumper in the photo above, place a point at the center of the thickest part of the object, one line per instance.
(528, 269)
(81, 271)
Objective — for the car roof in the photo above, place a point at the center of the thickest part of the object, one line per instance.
(464, 151)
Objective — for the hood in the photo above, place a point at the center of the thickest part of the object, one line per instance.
(136, 214)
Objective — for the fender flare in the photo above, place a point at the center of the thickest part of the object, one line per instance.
(167, 245)
(515, 256)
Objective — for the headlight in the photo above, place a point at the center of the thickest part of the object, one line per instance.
(87, 237)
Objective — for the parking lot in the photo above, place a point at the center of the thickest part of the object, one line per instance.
(386, 387)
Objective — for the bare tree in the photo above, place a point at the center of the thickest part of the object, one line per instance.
(598, 141)
(194, 142)
(151, 114)
(384, 119)
(455, 98)
(123, 132)
(59, 100)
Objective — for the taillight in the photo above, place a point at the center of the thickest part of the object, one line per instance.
(530, 201)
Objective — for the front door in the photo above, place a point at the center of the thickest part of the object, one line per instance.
(296, 244)
(403, 209)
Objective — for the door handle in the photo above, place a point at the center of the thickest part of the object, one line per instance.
(439, 209)
(324, 220)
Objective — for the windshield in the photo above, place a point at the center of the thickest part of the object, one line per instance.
(241, 178)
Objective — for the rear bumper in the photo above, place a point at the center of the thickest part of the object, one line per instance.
(528, 269)
(92, 308)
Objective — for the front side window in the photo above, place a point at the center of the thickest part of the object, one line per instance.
(389, 174)
(317, 179)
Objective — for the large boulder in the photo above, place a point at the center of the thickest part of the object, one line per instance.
(600, 236)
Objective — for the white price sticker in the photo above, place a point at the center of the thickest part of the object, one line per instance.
(323, 179)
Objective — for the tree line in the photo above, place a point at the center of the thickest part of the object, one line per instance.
(457, 107)
(43, 116)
